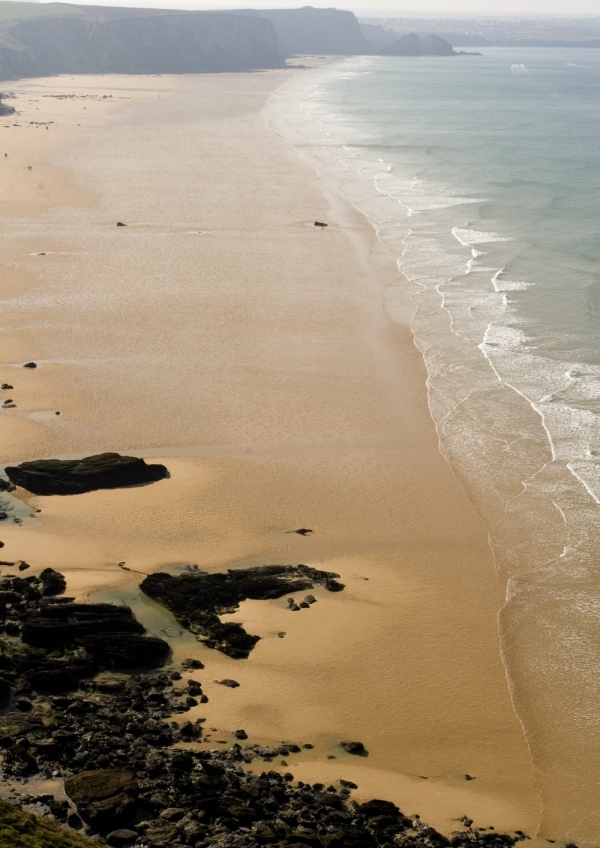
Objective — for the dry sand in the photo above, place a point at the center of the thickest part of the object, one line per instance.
(250, 352)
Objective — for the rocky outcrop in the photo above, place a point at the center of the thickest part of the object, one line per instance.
(433, 45)
(412, 45)
(74, 476)
(135, 778)
(62, 642)
(197, 600)
(92, 42)
(408, 45)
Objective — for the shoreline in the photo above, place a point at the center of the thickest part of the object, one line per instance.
(107, 530)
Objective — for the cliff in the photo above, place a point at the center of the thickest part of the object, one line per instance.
(136, 44)
(309, 30)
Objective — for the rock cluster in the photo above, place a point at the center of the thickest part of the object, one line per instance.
(74, 476)
(133, 764)
(198, 599)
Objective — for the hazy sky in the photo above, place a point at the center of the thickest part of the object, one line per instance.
(391, 8)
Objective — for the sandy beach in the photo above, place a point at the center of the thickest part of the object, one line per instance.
(223, 334)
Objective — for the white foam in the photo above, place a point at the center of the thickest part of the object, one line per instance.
(470, 237)
(485, 374)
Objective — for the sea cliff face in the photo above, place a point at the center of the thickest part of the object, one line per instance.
(137, 44)
(309, 30)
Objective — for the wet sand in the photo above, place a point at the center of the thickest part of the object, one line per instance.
(248, 350)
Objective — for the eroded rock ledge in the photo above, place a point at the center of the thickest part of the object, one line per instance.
(198, 599)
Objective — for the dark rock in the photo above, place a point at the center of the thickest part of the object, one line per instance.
(354, 748)
(240, 734)
(172, 814)
(194, 688)
(197, 600)
(304, 531)
(121, 224)
(6, 386)
(126, 650)
(320, 224)
(74, 821)
(30, 365)
(23, 566)
(52, 582)
(54, 681)
(5, 693)
(192, 664)
(231, 684)
(59, 625)
(71, 477)
(374, 808)
(121, 837)
(105, 798)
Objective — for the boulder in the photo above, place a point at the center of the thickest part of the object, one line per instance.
(74, 476)
(105, 798)
(52, 582)
(354, 748)
(121, 837)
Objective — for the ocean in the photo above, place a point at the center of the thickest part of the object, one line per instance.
(480, 176)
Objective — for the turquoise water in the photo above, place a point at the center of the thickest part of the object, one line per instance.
(481, 176)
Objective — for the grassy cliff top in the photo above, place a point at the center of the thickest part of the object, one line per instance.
(19, 829)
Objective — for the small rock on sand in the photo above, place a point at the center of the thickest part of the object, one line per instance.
(353, 747)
